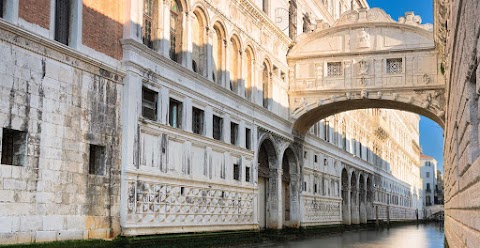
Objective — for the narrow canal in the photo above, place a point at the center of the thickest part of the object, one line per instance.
(409, 236)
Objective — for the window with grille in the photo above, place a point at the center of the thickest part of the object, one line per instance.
(247, 174)
(147, 23)
(149, 104)
(217, 127)
(236, 171)
(233, 133)
(248, 138)
(175, 114)
(62, 21)
(14, 147)
(96, 163)
(394, 66)
(198, 117)
(334, 69)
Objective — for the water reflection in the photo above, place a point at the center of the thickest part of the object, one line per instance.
(411, 236)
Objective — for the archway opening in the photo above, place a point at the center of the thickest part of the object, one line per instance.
(266, 158)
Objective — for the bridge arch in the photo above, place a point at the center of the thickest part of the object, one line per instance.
(366, 60)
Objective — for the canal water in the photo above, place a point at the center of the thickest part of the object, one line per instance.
(408, 236)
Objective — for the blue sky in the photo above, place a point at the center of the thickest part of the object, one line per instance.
(397, 8)
(431, 134)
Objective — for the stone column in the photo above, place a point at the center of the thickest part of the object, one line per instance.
(187, 46)
(187, 115)
(165, 32)
(227, 62)
(363, 206)
(274, 201)
(209, 66)
(354, 206)
(208, 122)
(258, 99)
(164, 103)
(346, 215)
(295, 200)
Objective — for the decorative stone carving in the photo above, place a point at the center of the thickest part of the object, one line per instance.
(426, 79)
(159, 203)
(363, 39)
(362, 67)
(309, 25)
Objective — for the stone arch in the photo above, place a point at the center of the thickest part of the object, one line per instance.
(200, 40)
(290, 190)
(266, 182)
(313, 112)
(218, 52)
(354, 191)
(345, 192)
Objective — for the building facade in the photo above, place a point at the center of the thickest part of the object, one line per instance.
(148, 117)
(428, 172)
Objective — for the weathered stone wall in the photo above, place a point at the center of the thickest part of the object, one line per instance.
(65, 102)
(462, 163)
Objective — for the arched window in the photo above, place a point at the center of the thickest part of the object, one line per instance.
(149, 21)
(265, 84)
(175, 30)
(249, 72)
(234, 56)
(199, 44)
(218, 47)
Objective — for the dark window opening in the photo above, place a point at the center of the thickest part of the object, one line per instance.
(217, 127)
(149, 104)
(236, 171)
(175, 115)
(315, 158)
(247, 174)
(62, 21)
(197, 120)
(248, 138)
(194, 66)
(14, 147)
(233, 133)
(315, 188)
(96, 164)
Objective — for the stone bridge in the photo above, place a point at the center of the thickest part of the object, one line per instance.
(366, 60)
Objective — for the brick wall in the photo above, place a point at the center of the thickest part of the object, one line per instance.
(64, 104)
(103, 26)
(35, 11)
(462, 163)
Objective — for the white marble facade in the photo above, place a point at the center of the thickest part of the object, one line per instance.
(198, 128)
